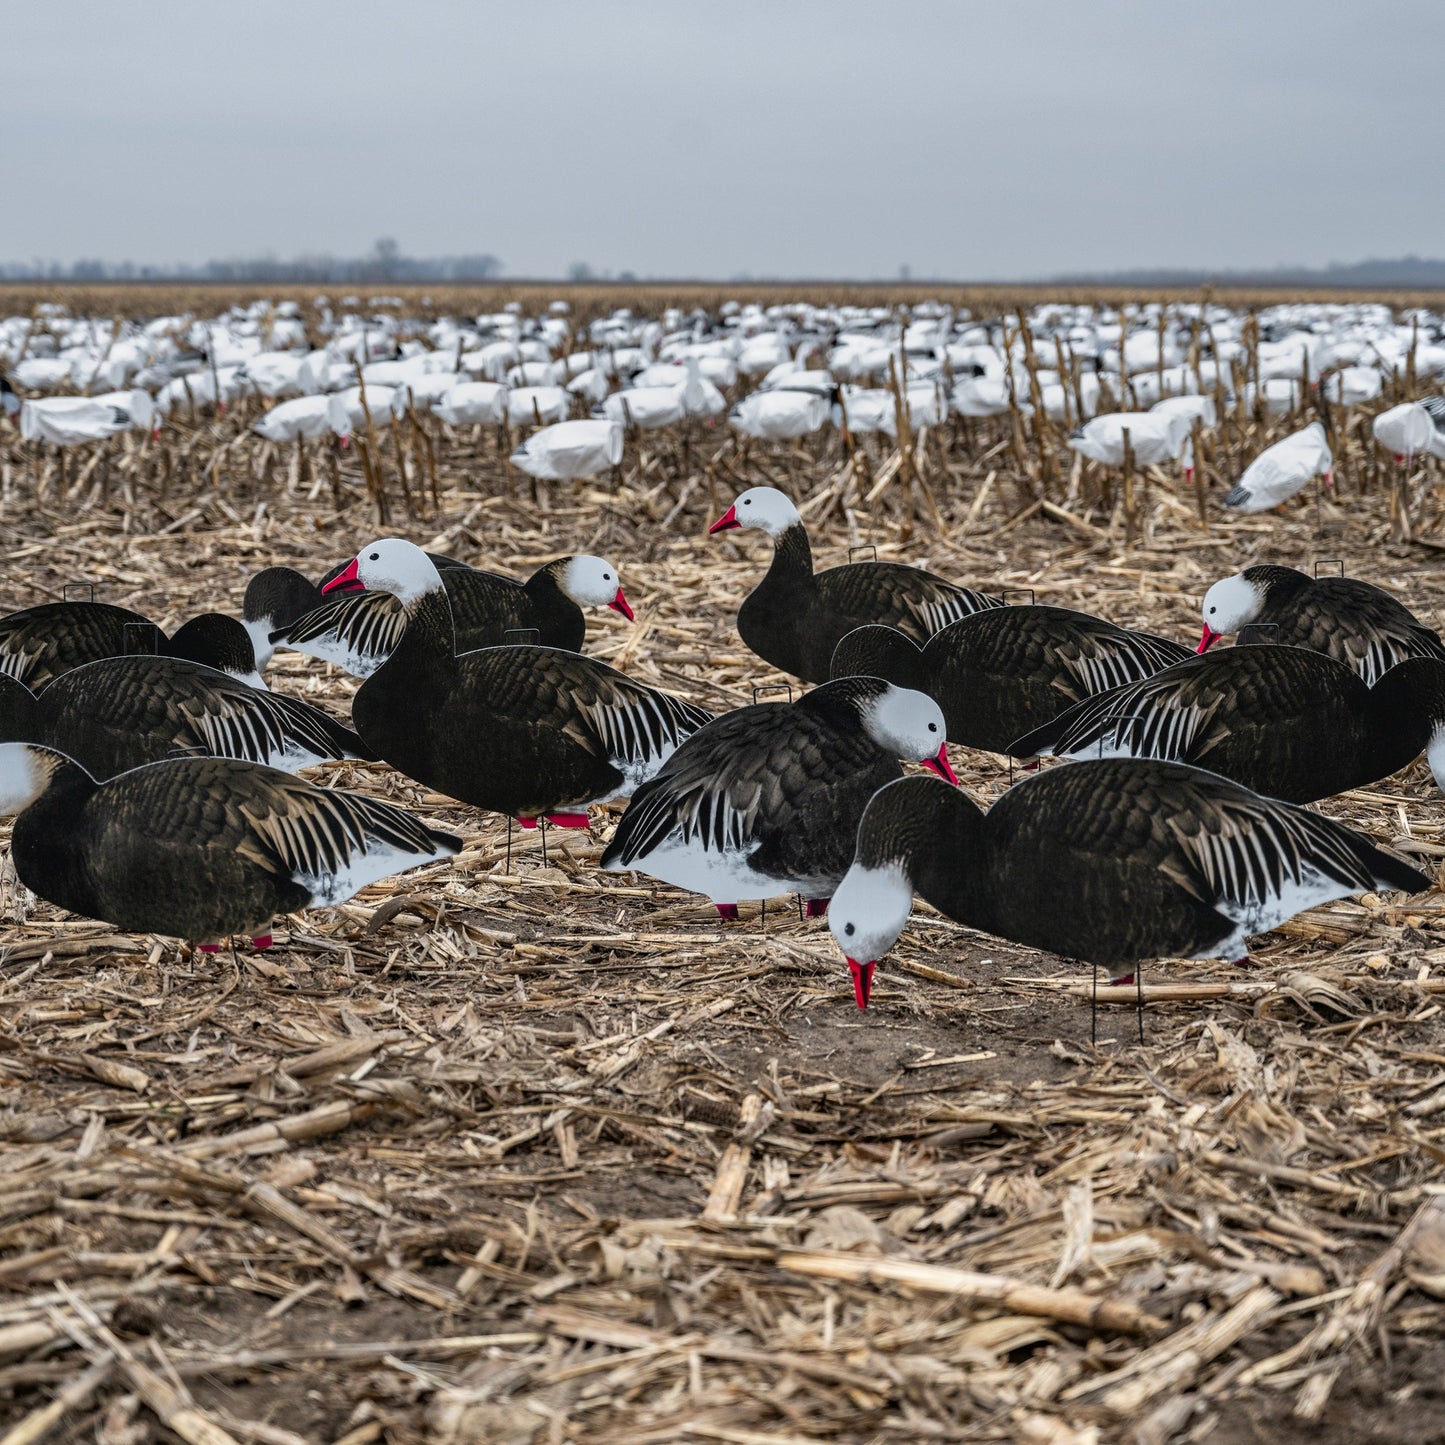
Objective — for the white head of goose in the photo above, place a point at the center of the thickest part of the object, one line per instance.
(523, 730)
(198, 848)
(1110, 862)
(766, 799)
(794, 618)
(358, 632)
(1354, 622)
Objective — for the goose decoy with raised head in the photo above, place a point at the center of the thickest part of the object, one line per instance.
(999, 673)
(795, 617)
(1111, 862)
(358, 632)
(1354, 622)
(523, 730)
(198, 848)
(766, 799)
(1283, 721)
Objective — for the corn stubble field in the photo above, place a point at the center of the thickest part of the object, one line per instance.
(550, 1155)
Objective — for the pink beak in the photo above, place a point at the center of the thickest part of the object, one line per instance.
(1208, 640)
(862, 980)
(619, 604)
(940, 766)
(347, 581)
(726, 522)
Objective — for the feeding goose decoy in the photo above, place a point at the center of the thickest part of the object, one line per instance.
(122, 712)
(766, 799)
(1283, 721)
(524, 730)
(999, 673)
(359, 631)
(1111, 862)
(795, 617)
(198, 848)
(39, 644)
(1278, 472)
(1354, 622)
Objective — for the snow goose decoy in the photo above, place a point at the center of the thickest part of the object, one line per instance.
(1354, 622)
(1111, 862)
(122, 712)
(795, 617)
(359, 632)
(1284, 721)
(766, 799)
(522, 730)
(1280, 471)
(198, 848)
(999, 673)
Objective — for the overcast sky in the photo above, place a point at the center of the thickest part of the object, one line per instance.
(823, 138)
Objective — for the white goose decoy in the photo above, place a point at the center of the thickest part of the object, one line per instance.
(1408, 429)
(570, 449)
(1280, 471)
(527, 404)
(474, 403)
(302, 416)
(1154, 437)
(70, 420)
(780, 414)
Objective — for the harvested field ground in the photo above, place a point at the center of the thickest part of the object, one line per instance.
(549, 1155)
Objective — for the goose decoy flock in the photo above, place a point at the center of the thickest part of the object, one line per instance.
(481, 686)
(498, 675)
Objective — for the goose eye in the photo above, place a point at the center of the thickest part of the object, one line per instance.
(849, 929)
(375, 557)
(933, 727)
(1213, 610)
(747, 501)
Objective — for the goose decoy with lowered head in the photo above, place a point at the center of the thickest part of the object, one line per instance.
(39, 644)
(766, 799)
(1354, 622)
(198, 848)
(122, 712)
(359, 631)
(274, 598)
(1280, 471)
(1112, 862)
(522, 730)
(795, 618)
(1283, 721)
(999, 673)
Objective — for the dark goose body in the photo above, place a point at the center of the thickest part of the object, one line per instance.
(766, 799)
(359, 631)
(1111, 862)
(39, 643)
(199, 848)
(1354, 622)
(119, 713)
(795, 618)
(1283, 721)
(1000, 673)
(522, 730)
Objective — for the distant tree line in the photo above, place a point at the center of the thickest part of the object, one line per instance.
(385, 263)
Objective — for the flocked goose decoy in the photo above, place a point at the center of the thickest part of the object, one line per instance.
(523, 730)
(999, 673)
(1354, 622)
(1111, 862)
(358, 632)
(766, 799)
(121, 712)
(275, 598)
(198, 848)
(795, 617)
(1284, 721)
